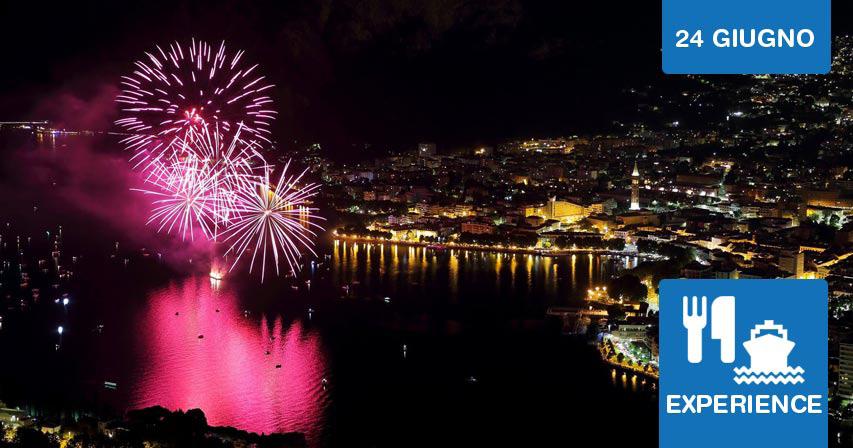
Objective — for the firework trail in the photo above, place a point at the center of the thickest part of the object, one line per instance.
(273, 221)
(174, 91)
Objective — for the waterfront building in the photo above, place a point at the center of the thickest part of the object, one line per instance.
(412, 233)
(631, 332)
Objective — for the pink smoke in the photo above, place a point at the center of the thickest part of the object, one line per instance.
(86, 179)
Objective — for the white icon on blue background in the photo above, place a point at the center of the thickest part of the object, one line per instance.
(769, 357)
(768, 345)
(722, 326)
(749, 356)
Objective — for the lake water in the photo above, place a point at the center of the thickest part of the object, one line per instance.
(460, 348)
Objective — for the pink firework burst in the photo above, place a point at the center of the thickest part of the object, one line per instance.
(196, 185)
(274, 222)
(196, 117)
(173, 92)
(239, 162)
(185, 197)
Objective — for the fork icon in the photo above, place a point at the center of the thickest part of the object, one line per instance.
(694, 323)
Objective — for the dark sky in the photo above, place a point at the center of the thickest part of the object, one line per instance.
(451, 71)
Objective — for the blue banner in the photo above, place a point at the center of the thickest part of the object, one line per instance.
(746, 36)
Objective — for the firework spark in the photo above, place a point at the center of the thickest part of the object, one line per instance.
(273, 221)
(239, 162)
(173, 92)
(196, 185)
(185, 200)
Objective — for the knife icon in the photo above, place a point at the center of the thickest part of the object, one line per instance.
(723, 326)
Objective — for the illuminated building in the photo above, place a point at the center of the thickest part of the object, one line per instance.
(411, 233)
(484, 151)
(426, 149)
(793, 262)
(477, 227)
(554, 146)
(845, 370)
(635, 188)
(639, 218)
(564, 211)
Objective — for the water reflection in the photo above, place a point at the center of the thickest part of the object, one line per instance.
(417, 272)
(264, 373)
(201, 351)
(630, 381)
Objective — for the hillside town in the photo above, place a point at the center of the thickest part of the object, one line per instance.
(722, 178)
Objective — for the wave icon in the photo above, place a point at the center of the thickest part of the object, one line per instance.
(788, 375)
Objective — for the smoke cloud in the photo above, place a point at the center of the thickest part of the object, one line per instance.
(84, 181)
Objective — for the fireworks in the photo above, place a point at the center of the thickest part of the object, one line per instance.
(173, 92)
(197, 119)
(272, 220)
(185, 198)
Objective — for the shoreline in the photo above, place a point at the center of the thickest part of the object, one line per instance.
(494, 249)
(150, 424)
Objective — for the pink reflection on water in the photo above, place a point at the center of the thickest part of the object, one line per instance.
(228, 373)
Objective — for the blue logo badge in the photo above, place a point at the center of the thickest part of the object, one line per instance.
(746, 37)
(743, 363)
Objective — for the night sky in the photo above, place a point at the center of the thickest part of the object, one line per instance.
(346, 72)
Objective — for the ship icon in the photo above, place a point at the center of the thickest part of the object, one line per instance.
(768, 354)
